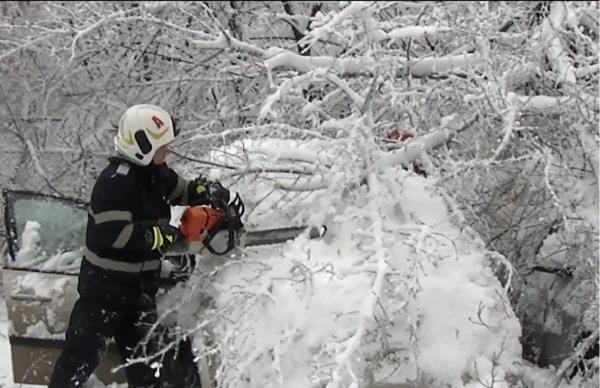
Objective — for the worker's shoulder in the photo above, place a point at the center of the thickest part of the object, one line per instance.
(118, 172)
(116, 168)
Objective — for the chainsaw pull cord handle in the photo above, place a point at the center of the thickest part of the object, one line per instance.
(231, 217)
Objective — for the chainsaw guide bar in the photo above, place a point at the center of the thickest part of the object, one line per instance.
(256, 238)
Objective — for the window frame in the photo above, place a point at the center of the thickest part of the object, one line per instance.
(10, 223)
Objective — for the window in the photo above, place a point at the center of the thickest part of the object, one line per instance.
(45, 233)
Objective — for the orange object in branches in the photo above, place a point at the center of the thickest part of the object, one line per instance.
(400, 135)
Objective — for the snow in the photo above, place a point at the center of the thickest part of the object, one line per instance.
(31, 254)
(395, 271)
(282, 58)
(400, 290)
(415, 31)
(6, 377)
(30, 242)
(427, 66)
(559, 14)
(397, 277)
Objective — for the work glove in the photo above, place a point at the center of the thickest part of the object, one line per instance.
(167, 269)
(219, 195)
(165, 236)
(202, 191)
(171, 274)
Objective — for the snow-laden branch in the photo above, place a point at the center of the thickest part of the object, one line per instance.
(508, 125)
(576, 357)
(309, 184)
(224, 41)
(365, 11)
(298, 170)
(436, 138)
(431, 65)
(278, 57)
(299, 155)
(550, 103)
(148, 19)
(343, 85)
(322, 32)
(555, 199)
(81, 33)
(590, 18)
(367, 312)
(557, 55)
(582, 72)
(256, 129)
(285, 88)
(412, 32)
(22, 46)
(37, 164)
(423, 67)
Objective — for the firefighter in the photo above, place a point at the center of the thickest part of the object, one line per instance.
(127, 233)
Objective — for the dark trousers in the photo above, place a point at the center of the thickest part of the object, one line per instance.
(91, 326)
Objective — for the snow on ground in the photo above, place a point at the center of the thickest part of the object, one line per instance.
(6, 377)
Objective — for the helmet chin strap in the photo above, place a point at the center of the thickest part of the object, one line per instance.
(130, 159)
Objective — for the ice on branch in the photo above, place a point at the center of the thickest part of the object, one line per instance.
(551, 103)
(278, 58)
(414, 32)
(427, 66)
(284, 89)
(556, 53)
(224, 41)
(322, 32)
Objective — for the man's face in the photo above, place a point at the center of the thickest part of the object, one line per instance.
(160, 155)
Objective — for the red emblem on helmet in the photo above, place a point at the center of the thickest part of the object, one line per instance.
(157, 121)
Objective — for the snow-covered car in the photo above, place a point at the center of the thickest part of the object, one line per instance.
(45, 240)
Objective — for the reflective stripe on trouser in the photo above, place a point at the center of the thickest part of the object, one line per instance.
(120, 266)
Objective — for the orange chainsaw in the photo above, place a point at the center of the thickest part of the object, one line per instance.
(201, 224)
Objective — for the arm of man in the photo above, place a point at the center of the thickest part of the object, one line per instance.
(111, 224)
(183, 192)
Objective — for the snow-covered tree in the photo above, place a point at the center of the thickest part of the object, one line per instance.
(495, 103)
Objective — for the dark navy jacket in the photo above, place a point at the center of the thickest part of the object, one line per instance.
(128, 201)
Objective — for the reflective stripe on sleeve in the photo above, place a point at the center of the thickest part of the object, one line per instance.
(180, 191)
(158, 238)
(120, 266)
(111, 215)
(124, 237)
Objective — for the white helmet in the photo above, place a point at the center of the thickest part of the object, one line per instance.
(142, 130)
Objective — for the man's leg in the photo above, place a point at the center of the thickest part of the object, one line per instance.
(136, 341)
(90, 327)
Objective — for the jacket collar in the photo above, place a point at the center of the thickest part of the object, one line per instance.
(148, 170)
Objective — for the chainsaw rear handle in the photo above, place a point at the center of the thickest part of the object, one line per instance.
(202, 223)
(231, 220)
